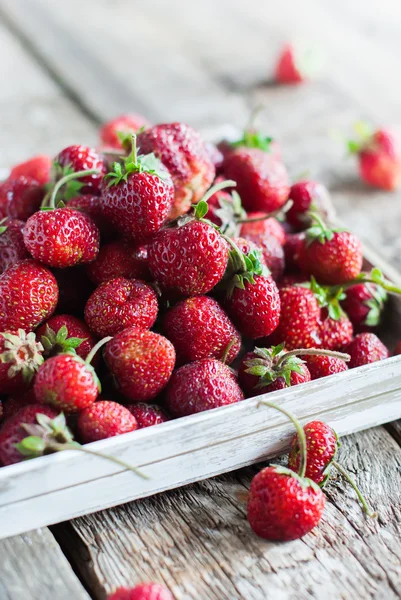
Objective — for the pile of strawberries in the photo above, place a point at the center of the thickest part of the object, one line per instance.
(177, 259)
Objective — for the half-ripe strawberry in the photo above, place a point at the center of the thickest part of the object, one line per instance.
(138, 196)
(257, 225)
(282, 505)
(20, 197)
(199, 328)
(75, 159)
(37, 167)
(12, 433)
(62, 237)
(28, 295)
(141, 363)
(201, 385)
(124, 124)
(12, 247)
(147, 415)
(104, 419)
(64, 333)
(120, 303)
(364, 304)
(20, 358)
(67, 383)
(183, 152)
(366, 348)
(119, 259)
(308, 195)
(333, 256)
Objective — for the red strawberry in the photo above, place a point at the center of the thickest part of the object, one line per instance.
(335, 333)
(184, 154)
(379, 155)
(37, 167)
(141, 362)
(321, 447)
(77, 158)
(120, 303)
(14, 403)
(143, 591)
(364, 304)
(201, 385)
(125, 124)
(28, 296)
(268, 369)
(252, 138)
(262, 227)
(306, 195)
(294, 243)
(148, 415)
(190, 259)
(298, 64)
(331, 255)
(67, 383)
(138, 196)
(104, 419)
(20, 358)
(11, 432)
(322, 366)
(292, 279)
(62, 237)
(63, 333)
(119, 259)
(12, 247)
(272, 253)
(20, 197)
(366, 348)
(92, 206)
(283, 506)
(262, 179)
(74, 289)
(248, 247)
(199, 328)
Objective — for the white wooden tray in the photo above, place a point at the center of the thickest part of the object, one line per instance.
(55, 488)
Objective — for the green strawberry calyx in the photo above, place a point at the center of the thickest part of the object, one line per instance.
(59, 342)
(252, 138)
(319, 231)
(231, 214)
(375, 304)
(304, 482)
(364, 134)
(328, 297)
(3, 225)
(23, 353)
(67, 183)
(242, 268)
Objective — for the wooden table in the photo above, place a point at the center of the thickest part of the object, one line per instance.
(67, 66)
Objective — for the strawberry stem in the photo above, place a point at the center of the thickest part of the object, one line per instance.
(227, 350)
(63, 181)
(95, 348)
(134, 151)
(217, 188)
(240, 264)
(313, 352)
(352, 483)
(279, 211)
(300, 433)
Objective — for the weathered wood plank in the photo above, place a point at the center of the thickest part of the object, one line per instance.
(197, 540)
(33, 566)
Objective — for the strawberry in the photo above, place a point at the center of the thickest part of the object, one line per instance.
(75, 159)
(12, 247)
(364, 305)
(379, 156)
(247, 247)
(141, 362)
(297, 64)
(268, 369)
(201, 385)
(256, 224)
(104, 419)
(322, 366)
(120, 303)
(147, 415)
(74, 289)
(366, 348)
(63, 333)
(14, 403)
(199, 328)
(37, 167)
(272, 253)
(62, 237)
(184, 154)
(67, 383)
(252, 138)
(119, 259)
(20, 197)
(332, 255)
(282, 505)
(321, 447)
(92, 206)
(308, 195)
(20, 358)
(190, 258)
(335, 333)
(123, 124)
(294, 243)
(11, 432)
(143, 591)
(262, 179)
(28, 295)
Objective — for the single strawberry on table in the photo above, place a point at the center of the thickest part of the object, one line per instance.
(201, 385)
(147, 415)
(307, 195)
(77, 159)
(104, 419)
(12, 247)
(298, 63)
(20, 197)
(21, 355)
(141, 362)
(62, 333)
(37, 167)
(123, 124)
(120, 303)
(183, 152)
(28, 295)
